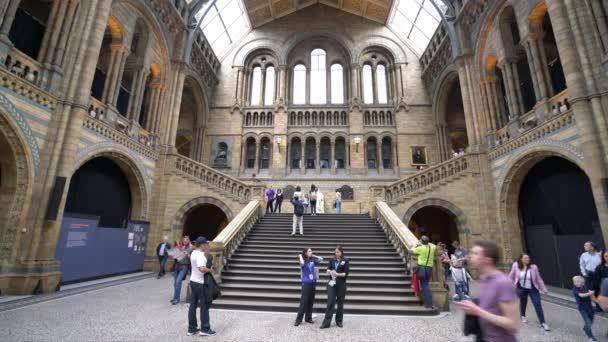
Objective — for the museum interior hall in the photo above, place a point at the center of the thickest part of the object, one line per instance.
(131, 128)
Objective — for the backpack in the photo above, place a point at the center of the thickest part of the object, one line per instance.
(298, 209)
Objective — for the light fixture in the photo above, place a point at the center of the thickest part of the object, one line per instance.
(278, 140)
(357, 142)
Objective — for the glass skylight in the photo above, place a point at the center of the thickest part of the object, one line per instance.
(224, 24)
(416, 21)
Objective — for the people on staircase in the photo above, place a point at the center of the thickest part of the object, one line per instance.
(278, 200)
(298, 215)
(526, 277)
(425, 252)
(313, 200)
(270, 200)
(308, 261)
(337, 269)
(320, 202)
(338, 203)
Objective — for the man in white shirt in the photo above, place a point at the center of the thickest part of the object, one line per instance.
(198, 260)
(589, 262)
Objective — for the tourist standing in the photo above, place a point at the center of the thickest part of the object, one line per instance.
(313, 200)
(182, 266)
(162, 251)
(600, 275)
(526, 277)
(320, 209)
(461, 279)
(200, 267)
(497, 309)
(278, 200)
(270, 200)
(298, 193)
(338, 203)
(445, 261)
(589, 261)
(583, 296)
(460, 253)
(337, 269)
(298, 215)
(309, 283)
(426, 256)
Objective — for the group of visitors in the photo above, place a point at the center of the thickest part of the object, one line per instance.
(315, 199)
(274, 200)
(337, 271)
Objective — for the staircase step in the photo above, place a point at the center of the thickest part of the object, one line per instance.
(286, 236)
(322, 251)
(320, 297)
(322, 277)
(357, 268)
(301, 241)
(292, 263)
(264, 257)
(379, 281)
(320, 288)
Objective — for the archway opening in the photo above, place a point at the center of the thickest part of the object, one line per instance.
(439, 224)
(29, 26)
(296, 153)
(554, 63)
(205, 220)
(557, 215)
(455, 119)
(8, 181)
(101, 188)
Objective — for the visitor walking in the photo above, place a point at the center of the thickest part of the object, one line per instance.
(309, 283)
(278, 200)
(162, 251)
(526, 277)
(270, 200)
(313, 200)
(426, 255)
(337, 269)
(461, 279)
(460, 253)
(305, 202)
(200, 267)
(601, 275)
(298, 215)
(445, 261)
(182, 266)
(497, 309)
(338, 203)
(583, 296)
(589, 261)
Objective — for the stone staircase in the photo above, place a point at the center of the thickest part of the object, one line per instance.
(263, 274)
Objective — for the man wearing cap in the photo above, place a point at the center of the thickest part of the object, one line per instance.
(198, 260)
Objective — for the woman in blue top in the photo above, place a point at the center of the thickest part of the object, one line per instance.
(309, 283)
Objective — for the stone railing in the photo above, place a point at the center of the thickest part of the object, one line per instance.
(258, 118)
(560, 121)
(24, 87)
(319, 117)
(437, 56)
(110, 132)
(421, 180)
(204, 61)
(221, 182)
(405, 241)
(230, 237)
(379, 117)
(173, 13)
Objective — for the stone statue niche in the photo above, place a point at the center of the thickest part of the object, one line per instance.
(221, 153)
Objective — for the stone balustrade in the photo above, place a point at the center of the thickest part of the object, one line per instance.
(553, 124)
(232, 235)
(379, 117)
(317, 117)
(223, 183)
(21, 85)
(421, 180)
(173, 13)
(436, 57)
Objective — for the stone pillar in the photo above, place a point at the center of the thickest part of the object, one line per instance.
(243, 155)
(199, 135)
(154, 113)
(513, 93)
(114, 77)
(347, 155)
(467, 99)
(318, 157)
(375, 84)
(238, 96)
(246, 82)
(303, 157)
(356, 93)
(256, 161)
(262, 90)
(600, 19)
(394, 156)
(379, 156)
(137, 90)
(489, 94)
(51, 33)
(537, 66)
(282, 87)
(9, 16)
(65, 29)
(332, 157)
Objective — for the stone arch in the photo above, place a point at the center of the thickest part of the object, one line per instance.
(462, 224)
(294, 41)
(251, 46)
(393, 48)
(509, 184)
(21, 127)
(180, 216)
(138, 178)
(442, 90)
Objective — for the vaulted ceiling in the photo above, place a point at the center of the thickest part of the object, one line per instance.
(263, 11)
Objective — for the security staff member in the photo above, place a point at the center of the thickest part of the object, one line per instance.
(337, 269)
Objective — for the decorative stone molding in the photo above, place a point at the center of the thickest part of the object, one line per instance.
(8, 107)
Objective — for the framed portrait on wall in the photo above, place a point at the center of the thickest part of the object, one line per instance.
(419, 155)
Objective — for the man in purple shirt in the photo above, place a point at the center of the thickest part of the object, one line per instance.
(270, 196)
(497, 310)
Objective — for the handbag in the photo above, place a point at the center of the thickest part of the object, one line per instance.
(471, 324)
(212, 290)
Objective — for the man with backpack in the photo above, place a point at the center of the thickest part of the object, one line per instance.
(298, 215)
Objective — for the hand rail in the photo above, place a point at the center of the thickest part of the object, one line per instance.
(231, 236)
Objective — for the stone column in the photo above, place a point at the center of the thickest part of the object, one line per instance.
(347, 155)
(51, 34)
(177, 78)
(379, 156)
(138, 89)
(318, 157)
(332, 157)
(199, 135)
(375, 84)
(518, 95)
(238, 96)
(9, 16)
(394, 156)
(356, 93)
(282, 87)
(328, 84)
(512, 90)
(303, 157)
(153, 117)
(467, 99)
(600, 19)
(256, 161)
(115, 71)
(262, 89)
(64, 27)
(537, 66)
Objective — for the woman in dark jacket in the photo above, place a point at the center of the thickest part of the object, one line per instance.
(601, 273)
(309, 284)
(278, 200)
(337, 269)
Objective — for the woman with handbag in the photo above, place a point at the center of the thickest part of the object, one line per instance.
(526, 277)
(337, 269)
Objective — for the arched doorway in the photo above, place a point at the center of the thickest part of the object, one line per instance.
(557, 215)
(436, 222)
(101, 188)
(205, 220)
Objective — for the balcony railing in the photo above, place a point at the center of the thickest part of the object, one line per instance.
(21, 74)
(379, 117)
(307, 117)
(258, 118)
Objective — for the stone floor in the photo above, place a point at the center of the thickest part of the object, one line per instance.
(140, 311)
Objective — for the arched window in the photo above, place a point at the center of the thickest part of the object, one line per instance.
(256, 83)
(269, 86)
(381, 84)
(337, 84)
(368, 84)
(318, 77)
(299, 84)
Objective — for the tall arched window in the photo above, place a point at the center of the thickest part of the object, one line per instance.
(381, 84)
(256, 83)
(299, 84)
(269, 86)
(337, 84)
(368, 84)
(318, 77)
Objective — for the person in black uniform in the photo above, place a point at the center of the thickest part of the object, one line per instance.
(337, 269)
